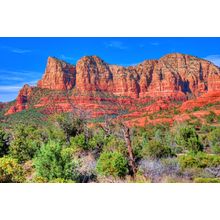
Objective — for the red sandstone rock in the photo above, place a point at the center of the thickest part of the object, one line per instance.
(208, 98)
(58, 75)
(174, 75)
(102, 88)
(21, 101)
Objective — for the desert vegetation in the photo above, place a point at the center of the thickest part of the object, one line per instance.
(68, 148)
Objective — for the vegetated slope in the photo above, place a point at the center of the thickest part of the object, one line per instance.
(153, 91)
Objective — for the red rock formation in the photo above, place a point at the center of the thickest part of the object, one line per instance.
(214, 81)
(22, 100)
(181, 73)
(174, 75)
(208, 98)
(58, 75)
(97, 86)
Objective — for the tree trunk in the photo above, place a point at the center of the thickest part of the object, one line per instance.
(127, 138)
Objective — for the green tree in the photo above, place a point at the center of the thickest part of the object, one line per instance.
(98, 140)
(156, 150)
(95, 141)
(79, 142)
(112, 164)
(26, 142)
(4, 143)
(71, 125)
(53, 161)
(189, 139)
(113, 143)
(11, 171)
(214, 139)
(159, 135)
(199, 160)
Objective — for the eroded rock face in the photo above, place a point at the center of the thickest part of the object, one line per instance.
(214, 81)
(205, 99)
(93, 74)
(174, 77)
(58, 75)
(21, 102)
(181, 73)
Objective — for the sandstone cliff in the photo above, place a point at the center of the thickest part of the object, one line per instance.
(93, 84)
(58, 75)
(174, 74)
(21, 101)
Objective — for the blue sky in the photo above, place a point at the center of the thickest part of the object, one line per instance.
(23, 60)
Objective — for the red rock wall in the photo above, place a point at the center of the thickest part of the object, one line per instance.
(173, 77)
(58, 75)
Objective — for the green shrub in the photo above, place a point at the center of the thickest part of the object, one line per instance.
(27, 141)
(206, 128)
(70, 124)
(216, 149)
(200, 160)
(137, 146)
(53, 162)
(214, 139)
(207, 180)
(115, 144)
(4, 143)
(11, 171)
(97, 141)
(26, 117)
(55, 133)
(189, 139)
(156, 150)
(112, 164)
(79, 142)
(39, 179)
(211, 117)
(196, 109)
(177, 150)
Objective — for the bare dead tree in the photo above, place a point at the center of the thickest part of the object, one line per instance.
(127, 138)
(109, 124)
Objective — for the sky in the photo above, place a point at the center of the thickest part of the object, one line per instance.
(23, 60)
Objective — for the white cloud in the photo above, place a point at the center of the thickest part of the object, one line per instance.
(16, 50)
(17, 87)
(12, 81)
(10, 88)
(214, 59)
(20, 51)
(20, 73)
(116, 44)
(12, 78)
